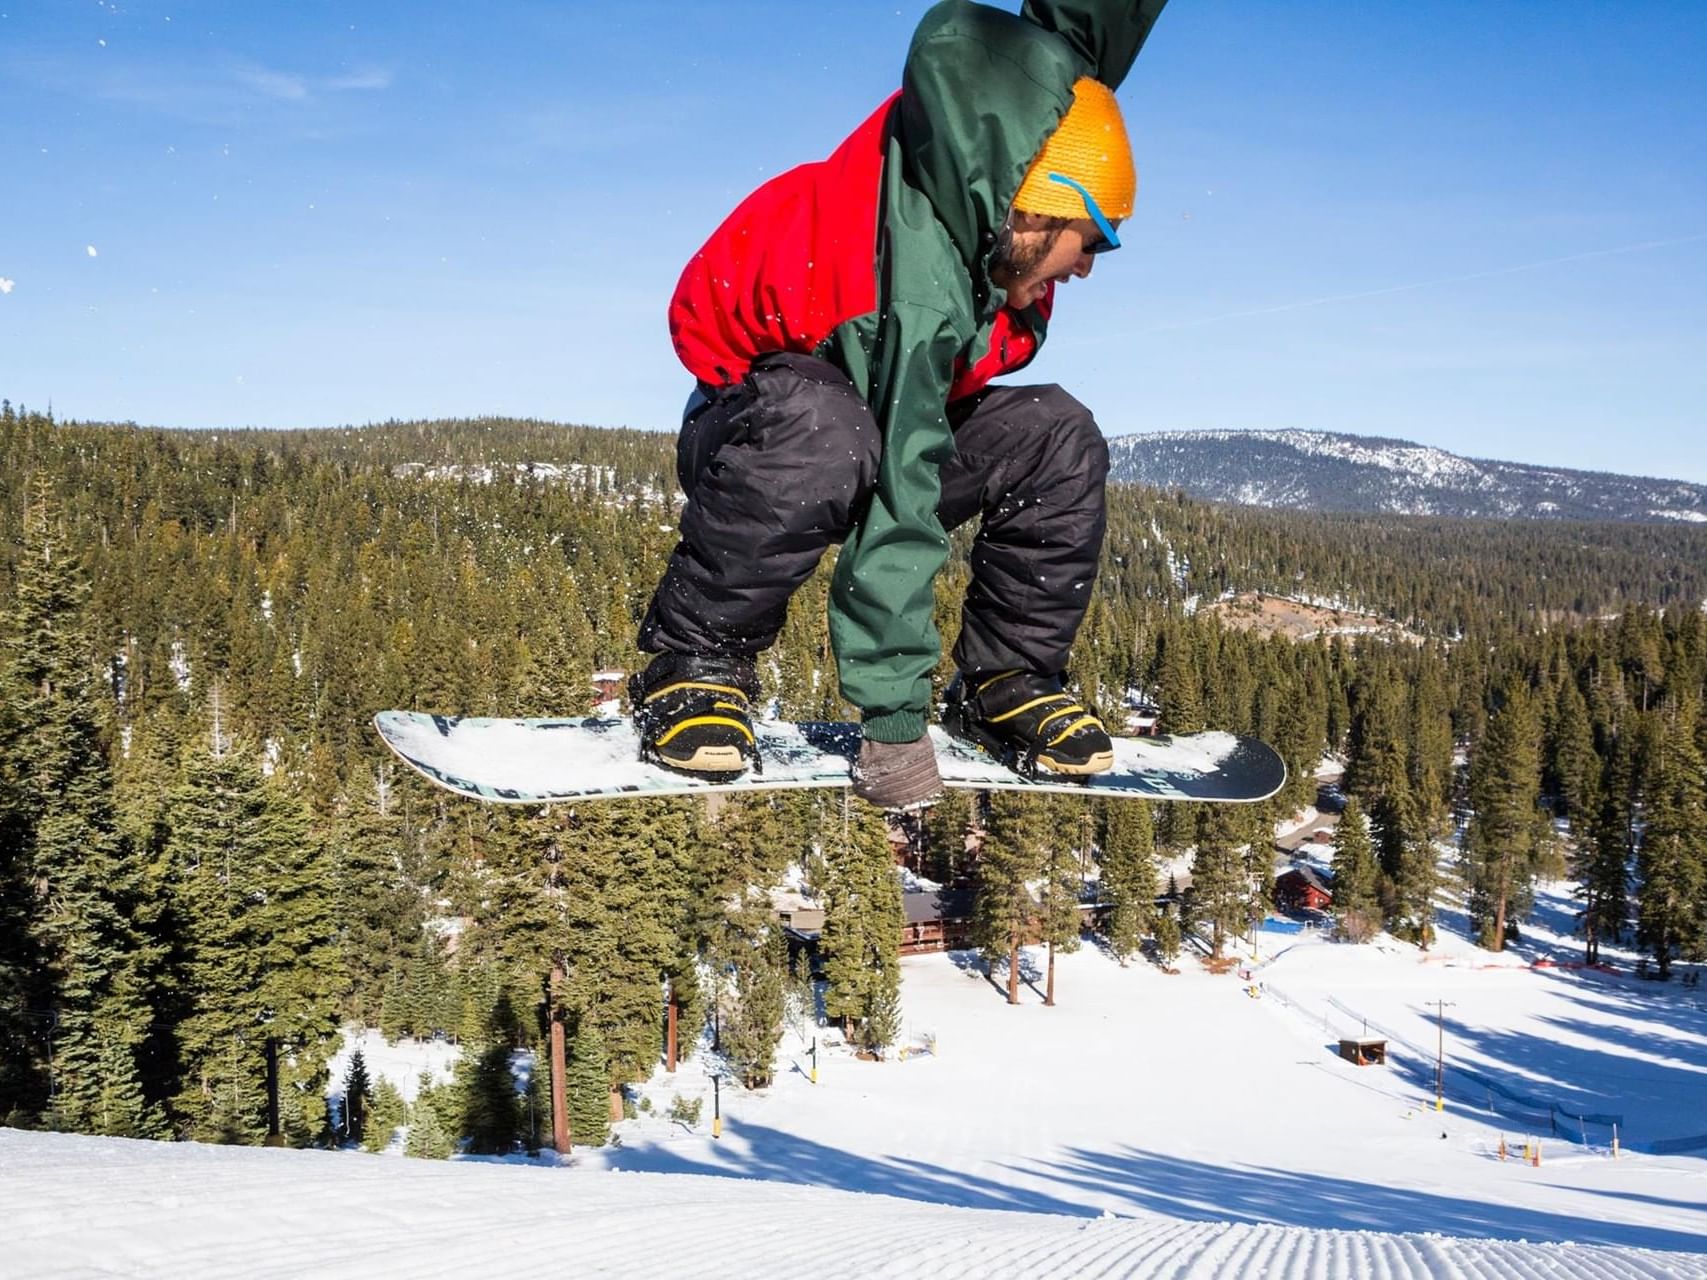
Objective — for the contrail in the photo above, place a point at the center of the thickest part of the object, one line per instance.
(1423, 284)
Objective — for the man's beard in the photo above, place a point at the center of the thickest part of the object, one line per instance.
(1013, 262)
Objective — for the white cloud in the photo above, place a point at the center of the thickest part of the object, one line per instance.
(289, 86)
(273, 84)
(372, 78)
(219, 92)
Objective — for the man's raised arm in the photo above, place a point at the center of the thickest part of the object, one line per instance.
(1105, 33)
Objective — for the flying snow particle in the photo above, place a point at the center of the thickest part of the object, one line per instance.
(91, 251)
(6, 285)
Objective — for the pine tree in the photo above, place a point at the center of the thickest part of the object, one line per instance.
(1167, 938)
(1126, 841)
(1671, 860)
(1004, 909)
(1409, 874)
(251, 887)
(947, 823)
(490, 1118)
(379, 910)
(1357, 912)
(1221, 891)
(83, 926)
(557, 669)
(387, 1113)
(23, 1076)
(861, 939)
(1501, 844)
(1574, 763)
(1429, 766)
(358, 1097)
(1180, 684)
(430, 1134)
(425, 1001)
(882, 1025)
(1604, 855)
(587, 1082)
(752, 1028)
(1065, 853)
(620, 920)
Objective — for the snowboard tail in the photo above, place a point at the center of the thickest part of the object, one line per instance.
(551, 761)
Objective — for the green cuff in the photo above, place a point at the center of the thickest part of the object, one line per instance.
(893, 726)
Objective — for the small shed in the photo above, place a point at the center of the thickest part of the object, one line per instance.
(795, 912)
(1364, 1051)
(1302, 889)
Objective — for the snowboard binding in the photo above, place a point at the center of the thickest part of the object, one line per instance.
(1028, 723)
(693, 715)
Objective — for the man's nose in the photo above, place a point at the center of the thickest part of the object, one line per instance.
(1082, 267)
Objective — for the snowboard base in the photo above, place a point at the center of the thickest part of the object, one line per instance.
(550, 761)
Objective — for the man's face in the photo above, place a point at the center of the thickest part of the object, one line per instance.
(1041, 250)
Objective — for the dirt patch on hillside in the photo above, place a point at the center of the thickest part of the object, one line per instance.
(1276, 615)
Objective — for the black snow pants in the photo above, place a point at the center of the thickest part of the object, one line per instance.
(781, 465)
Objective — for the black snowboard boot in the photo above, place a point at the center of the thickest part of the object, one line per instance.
(693, 712)
(1028, 722)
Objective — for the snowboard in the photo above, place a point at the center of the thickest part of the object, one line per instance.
(547, 761)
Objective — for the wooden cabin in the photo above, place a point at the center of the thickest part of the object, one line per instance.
(936, 920)
(1302, 889)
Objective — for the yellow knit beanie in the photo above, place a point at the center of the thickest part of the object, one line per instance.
(1090, 147)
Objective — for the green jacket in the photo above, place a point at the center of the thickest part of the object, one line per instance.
(981, 92)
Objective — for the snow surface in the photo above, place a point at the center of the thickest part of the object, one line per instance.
(1147, 1125)
(106, 1207)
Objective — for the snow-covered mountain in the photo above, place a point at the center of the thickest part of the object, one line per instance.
(1322, 471)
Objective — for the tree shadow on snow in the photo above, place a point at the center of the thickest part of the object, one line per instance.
(1614, 1072)
(777, 1156)
(1636, 1196)
(1086, 1183)
(1220, 1193)
(972, 964)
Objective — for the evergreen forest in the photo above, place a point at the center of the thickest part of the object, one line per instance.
(209, 864)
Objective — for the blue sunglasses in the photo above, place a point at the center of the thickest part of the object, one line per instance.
(1109, 240)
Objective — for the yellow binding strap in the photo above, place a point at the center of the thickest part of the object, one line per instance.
(1073, 728)
(694, 684)
(693, 720)
(1027, 706)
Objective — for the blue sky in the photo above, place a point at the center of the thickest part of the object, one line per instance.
(1481, 226)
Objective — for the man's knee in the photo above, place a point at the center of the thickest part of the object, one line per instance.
(1076, 447)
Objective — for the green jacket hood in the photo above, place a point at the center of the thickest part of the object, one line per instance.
(983, 89)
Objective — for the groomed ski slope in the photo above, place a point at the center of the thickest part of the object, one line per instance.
(1148, 1125)
(77, 1206)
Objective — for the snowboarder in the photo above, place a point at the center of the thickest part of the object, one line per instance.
(844, 325)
